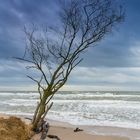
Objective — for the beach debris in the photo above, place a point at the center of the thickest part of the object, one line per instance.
(44, 130)
(53, 137)
(78, 129)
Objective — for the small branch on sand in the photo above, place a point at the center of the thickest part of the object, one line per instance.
(53, 137)
(28, 118)
(78, 129)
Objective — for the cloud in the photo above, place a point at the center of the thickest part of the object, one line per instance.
(113, 63)
(106, 77)
(17, 13)
(13, 73)
(135, 50)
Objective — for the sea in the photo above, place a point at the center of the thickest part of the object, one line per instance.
(94, 108)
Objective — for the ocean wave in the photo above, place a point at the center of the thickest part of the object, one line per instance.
(18, 94)
(24, 100)
(80, 119)
(75, 95)
(68, 103)
(17, 113)
(18, 105)
(99, 97)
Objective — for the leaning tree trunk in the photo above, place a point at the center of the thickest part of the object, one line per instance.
(38, 115)
(40, 112)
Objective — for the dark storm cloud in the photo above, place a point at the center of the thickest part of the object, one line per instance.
(14, 14)
(110, 53)
(114, 51)
(19, 12)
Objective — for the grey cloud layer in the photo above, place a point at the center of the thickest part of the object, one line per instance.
(114, 62)
(14, 74)
(114, 51)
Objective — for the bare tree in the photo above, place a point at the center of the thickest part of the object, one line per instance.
(56, 52)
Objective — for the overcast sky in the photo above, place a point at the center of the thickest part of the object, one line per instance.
(112, 65)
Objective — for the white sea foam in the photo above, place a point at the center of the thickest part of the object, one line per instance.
(24, 100)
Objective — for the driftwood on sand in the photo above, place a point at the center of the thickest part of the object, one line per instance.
(53, 137)
(78, 129)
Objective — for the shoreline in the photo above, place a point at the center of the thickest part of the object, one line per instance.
(62, 129)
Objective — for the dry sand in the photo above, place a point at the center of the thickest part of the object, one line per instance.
(65, 133)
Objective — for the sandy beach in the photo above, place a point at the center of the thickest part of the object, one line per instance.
(65, 131)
